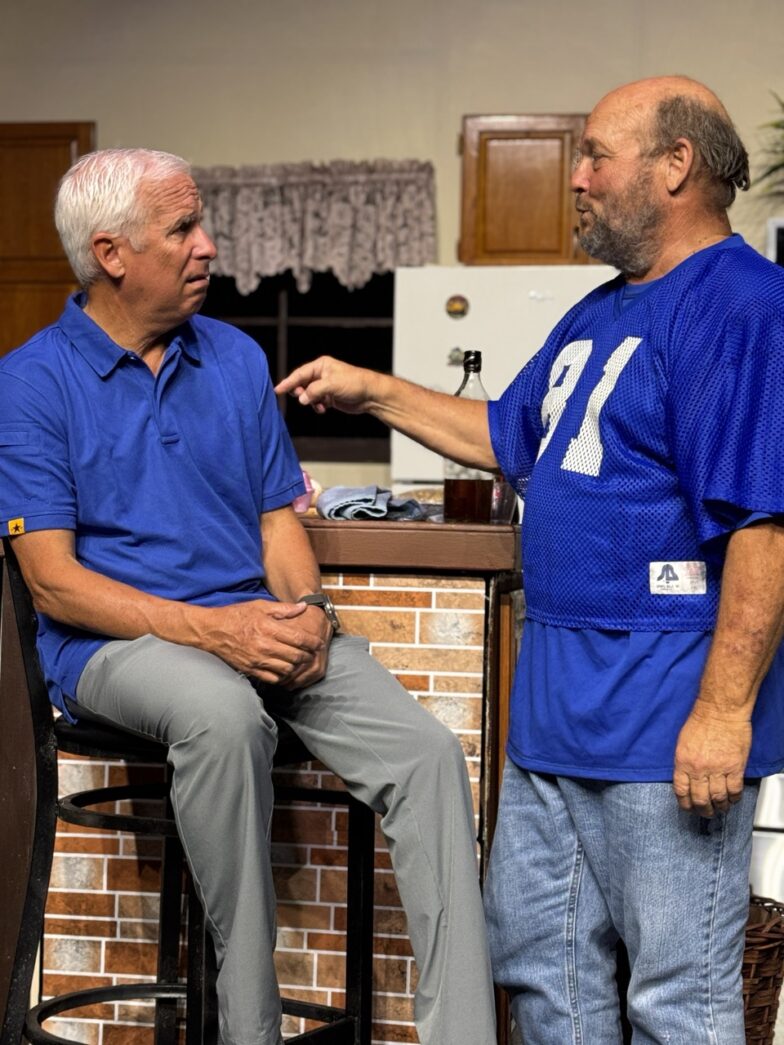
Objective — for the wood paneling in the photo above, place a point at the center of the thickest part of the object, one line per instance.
(35, 277)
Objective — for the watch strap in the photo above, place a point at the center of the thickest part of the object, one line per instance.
(326, 604)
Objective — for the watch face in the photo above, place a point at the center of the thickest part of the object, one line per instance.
(331, 612)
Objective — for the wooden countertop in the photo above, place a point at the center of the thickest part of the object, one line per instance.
(421, 546)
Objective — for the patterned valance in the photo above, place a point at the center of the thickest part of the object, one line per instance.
(353, 219)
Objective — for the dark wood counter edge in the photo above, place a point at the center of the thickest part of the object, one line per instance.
(420, 546)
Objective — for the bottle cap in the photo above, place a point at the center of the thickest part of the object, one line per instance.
(472, 362)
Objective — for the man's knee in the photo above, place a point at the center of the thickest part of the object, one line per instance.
(229, 728)
(441, 754)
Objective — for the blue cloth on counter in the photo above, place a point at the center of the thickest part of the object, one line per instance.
(366, 502)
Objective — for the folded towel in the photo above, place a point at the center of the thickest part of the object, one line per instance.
(366, 502)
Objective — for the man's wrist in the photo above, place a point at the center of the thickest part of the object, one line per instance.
(325, 603)
(706, 707)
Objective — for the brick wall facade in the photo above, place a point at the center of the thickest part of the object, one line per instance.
(102, 907)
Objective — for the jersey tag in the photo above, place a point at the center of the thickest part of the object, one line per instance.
(677, 578)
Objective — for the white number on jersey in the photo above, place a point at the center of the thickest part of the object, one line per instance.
(585, 452)
(571, 359)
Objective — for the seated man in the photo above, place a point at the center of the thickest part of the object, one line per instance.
(147, 482)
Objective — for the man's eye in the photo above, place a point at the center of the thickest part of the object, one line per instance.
(594, 157)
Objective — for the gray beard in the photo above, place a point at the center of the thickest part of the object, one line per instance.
(631, 247)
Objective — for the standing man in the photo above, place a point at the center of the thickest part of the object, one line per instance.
(148, 479)
(647, 438)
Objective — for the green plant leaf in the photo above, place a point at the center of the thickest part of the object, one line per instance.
(773, 174)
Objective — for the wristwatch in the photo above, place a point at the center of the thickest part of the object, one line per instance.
(327, 605)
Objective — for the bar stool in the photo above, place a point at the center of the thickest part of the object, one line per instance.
(22, 683)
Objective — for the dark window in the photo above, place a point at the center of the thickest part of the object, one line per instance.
(292, 328)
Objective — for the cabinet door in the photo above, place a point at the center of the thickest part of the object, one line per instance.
(35, 277)
(517, 207)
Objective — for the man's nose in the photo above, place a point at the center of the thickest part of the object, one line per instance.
(205, 248)
(579, 178)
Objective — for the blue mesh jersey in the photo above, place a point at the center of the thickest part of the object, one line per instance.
(641, 437)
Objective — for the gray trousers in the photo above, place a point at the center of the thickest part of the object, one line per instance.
(392, 754)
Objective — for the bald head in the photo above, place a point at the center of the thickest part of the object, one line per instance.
(644, 95)
(662, 109)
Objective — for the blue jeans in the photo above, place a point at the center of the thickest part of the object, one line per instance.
(578, 864)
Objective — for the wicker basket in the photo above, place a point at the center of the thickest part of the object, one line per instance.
(763, 969)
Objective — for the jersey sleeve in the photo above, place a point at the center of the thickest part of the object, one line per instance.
(515, 421)
(727, 421)
(516, 426)
(36, 485)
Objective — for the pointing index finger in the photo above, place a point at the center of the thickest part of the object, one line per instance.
(295, 382)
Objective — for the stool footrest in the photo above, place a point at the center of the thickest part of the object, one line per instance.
(333, 1033)
(46, 1010)
(74, 809)
(309, 1010)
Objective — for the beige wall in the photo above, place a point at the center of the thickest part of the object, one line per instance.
(254, 81)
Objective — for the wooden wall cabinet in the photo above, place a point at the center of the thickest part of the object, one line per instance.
(517, 207)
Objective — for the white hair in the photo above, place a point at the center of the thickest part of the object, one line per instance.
(100, 193)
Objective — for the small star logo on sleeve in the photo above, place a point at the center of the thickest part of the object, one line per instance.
(16, 526)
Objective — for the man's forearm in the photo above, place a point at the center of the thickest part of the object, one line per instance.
(452, 427)
(68, 592)
(713, 746)
(266, 639)
(290, 567)
(750, 623)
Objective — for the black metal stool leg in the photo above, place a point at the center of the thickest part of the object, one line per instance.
(210, 1018)
(169, 920)
(359, 928)
(201, 1026)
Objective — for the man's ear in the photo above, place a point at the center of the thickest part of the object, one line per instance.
(107, 254)
(680, 161)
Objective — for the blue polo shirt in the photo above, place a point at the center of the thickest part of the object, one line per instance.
(161, 477)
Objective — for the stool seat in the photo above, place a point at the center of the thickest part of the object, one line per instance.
(98, 740)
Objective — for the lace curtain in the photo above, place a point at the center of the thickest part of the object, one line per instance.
(354, 219)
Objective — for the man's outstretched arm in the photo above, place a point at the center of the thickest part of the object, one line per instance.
(455, 428)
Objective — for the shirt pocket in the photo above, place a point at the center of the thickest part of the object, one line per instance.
(19, 440)
(20, 467)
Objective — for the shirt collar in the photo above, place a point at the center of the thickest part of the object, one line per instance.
(98, 349)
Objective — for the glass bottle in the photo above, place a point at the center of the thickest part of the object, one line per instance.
(468, 492)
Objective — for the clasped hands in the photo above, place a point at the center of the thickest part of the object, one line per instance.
(281, 643)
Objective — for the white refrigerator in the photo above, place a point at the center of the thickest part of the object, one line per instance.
(503, 311)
